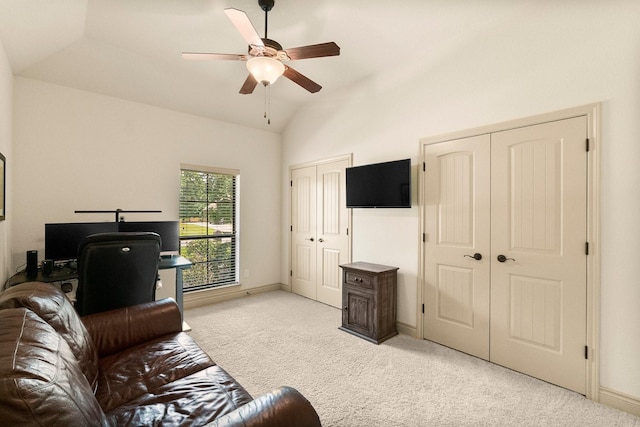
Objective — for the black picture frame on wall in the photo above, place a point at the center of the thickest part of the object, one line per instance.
(3, 175)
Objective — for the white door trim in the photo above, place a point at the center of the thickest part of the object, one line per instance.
(592, 113)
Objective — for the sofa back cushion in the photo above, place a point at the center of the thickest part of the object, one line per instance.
(41, 382)
(52, 306)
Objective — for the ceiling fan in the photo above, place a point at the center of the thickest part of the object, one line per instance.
(265, 59)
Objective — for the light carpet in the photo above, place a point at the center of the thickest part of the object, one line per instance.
(278, 338)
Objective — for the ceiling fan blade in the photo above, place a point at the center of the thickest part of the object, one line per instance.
(301, 80)
(249, 85)
(242, 23)
(313, 51)
(222, 56)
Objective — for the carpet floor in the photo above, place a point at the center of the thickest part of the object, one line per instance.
(278, 338)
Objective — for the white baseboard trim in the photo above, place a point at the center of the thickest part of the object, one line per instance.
(211, 296)
(405, 329)
(619, 400)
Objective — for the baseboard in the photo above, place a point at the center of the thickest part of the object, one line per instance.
(211, 296)
(405, 329)
(621, 401)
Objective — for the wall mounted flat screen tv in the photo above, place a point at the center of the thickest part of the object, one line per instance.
(380, 185)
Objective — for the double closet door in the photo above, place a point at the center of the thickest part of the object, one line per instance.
(505, 264)
(319, 231)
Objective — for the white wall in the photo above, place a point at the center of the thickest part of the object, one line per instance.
(77, 150)
(547, 58)
(6, 125)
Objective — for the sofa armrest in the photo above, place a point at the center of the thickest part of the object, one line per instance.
(115, 330)
(283, 407)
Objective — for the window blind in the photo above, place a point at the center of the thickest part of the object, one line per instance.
(208, 226)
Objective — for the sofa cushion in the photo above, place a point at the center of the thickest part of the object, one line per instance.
(52, 305)
(196, 399)
(41, 382)
(142, 369)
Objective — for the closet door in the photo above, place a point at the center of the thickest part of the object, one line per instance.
(519, 199)
(319, 231)
(539, 223)
(332, 231)
(303, 231)
(457, 184)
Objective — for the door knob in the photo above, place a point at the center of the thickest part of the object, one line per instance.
(311, 239)
(477, 256)
(503, 258)
(321, 240)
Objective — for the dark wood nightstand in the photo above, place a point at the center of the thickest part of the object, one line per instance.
(369, 300)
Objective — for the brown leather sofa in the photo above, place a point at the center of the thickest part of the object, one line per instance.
(127, 367)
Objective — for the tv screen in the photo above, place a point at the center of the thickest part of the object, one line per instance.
(168, 231)
(380, 185)
(61, 241)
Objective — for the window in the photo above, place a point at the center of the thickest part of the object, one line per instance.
(208, 226)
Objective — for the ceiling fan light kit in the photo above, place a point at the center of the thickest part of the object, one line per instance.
(265, 69)
(266, 56)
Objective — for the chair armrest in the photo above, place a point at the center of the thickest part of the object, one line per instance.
(115, 330)
(283, 407)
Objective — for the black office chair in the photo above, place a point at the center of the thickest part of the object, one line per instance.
(116, 270)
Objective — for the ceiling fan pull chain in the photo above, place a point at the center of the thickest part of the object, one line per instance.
(267, 104)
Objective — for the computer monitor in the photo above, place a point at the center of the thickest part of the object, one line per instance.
(61, 240)
(169, 231)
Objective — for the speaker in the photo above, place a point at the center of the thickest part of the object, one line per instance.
(32, 263)
(47, 267)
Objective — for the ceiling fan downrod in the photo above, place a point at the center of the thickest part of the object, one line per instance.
(266, 5)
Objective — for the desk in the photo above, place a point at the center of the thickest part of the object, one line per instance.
(65, 274)
(179, 263)
(59, 274)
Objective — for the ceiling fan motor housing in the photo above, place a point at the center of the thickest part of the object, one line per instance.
(272, 49)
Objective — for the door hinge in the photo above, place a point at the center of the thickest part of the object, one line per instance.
(424, 237)
(291, 183)
(586, 248)
(422, 308)
(290, 273)
(424, 166)
(588, 145)
(586, 352)
(347, 231)
(292, 228)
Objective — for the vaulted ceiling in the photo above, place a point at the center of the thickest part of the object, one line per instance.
(131, 49)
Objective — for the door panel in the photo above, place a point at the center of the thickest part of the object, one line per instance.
(456, 220)
(303, 229)
(360, 315)
(333, 239)
(539, 222)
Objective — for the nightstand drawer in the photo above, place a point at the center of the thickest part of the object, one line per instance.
(360, 280)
